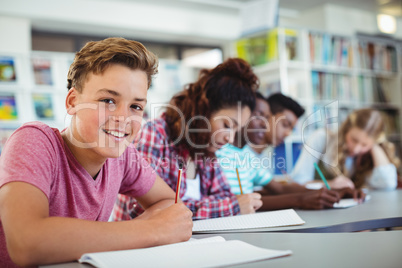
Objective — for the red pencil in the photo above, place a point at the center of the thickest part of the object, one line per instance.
(178, 185)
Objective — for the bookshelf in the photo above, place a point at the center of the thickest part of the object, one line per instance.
(330, 75)
(33, 87)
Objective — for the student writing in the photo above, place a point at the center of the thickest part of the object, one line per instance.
(271, 122)
(58, 188)
(200, 120)
(357, 155)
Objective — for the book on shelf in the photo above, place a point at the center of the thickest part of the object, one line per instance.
(327, 49)
(42, 69)
(43, 106)
(205, 252)
(377, 56)
(7, 69)
(8, 107)
(5, 133)
(264, 48)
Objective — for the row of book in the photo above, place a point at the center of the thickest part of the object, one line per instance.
(330, 86)
(379, 57)
(42, 103)
(330, 50)
(41, 68)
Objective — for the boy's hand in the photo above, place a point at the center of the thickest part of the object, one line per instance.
(319, 199)
(171, 225)
(358, 195)
(249, 203)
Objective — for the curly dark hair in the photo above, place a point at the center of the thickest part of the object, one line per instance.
(228, 84)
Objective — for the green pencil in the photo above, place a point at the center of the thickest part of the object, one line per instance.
(322, 176)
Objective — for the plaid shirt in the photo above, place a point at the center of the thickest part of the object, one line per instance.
(164, 157)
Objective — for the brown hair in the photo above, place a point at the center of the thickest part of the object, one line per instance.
(371, 122)
(228, 84)
(96, 56)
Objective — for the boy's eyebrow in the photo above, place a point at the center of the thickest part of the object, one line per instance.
(117, 94)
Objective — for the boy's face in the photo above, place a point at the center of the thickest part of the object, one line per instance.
(258, 124)
(107, 114)
(280, 126)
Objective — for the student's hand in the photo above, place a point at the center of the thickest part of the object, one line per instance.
(358, 195)
(249, 203)
(171, 225)
(341, 182)
(318, 199)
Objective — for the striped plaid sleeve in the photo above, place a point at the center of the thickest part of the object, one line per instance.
(219, 202)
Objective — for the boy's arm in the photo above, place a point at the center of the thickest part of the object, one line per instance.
(274, 188)
(314, 199)
(34, 238)
(159, 197)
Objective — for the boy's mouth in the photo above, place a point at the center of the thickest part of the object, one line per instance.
(116, 134)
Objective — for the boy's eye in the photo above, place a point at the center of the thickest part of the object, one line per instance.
(109, 101)
(136, 107)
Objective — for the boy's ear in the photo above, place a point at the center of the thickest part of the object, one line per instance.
(71, 101)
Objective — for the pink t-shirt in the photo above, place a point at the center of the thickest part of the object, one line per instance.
(37, 154)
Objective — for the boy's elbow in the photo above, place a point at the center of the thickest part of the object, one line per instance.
(23, 253)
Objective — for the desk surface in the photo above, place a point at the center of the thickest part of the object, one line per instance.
(364, 249)
(383, 210)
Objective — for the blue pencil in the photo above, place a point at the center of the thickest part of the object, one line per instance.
(322, 176)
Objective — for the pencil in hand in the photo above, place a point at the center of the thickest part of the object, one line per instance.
(238, 178)
(178, 183)
(322, 176)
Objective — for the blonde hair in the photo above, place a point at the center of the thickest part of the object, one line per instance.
(96, 56)
(372, 123)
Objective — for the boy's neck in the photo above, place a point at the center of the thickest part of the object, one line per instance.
(92, 167)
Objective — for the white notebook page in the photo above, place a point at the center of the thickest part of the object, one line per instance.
(204, 254)
(349, 202)
(277, 218)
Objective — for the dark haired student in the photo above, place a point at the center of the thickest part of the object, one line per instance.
(199, 121)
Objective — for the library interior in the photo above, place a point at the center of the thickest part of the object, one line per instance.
(332, 57)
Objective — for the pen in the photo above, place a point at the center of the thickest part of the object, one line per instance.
(178, 184)
(322, 176)
(238, 178)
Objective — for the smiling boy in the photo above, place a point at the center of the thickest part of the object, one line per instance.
(58, 189)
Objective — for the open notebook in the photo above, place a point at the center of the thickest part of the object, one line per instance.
(349, 202)
(207, 252)
(278, 218)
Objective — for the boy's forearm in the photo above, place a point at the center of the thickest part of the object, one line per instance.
(57, 239)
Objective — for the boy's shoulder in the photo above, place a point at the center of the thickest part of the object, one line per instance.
(35, 126)
(36, 135)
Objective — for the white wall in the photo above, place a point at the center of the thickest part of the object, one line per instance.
(15, 35)
(338, 20)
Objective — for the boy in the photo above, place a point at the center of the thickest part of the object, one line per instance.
(58, 189)
(271, 122)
